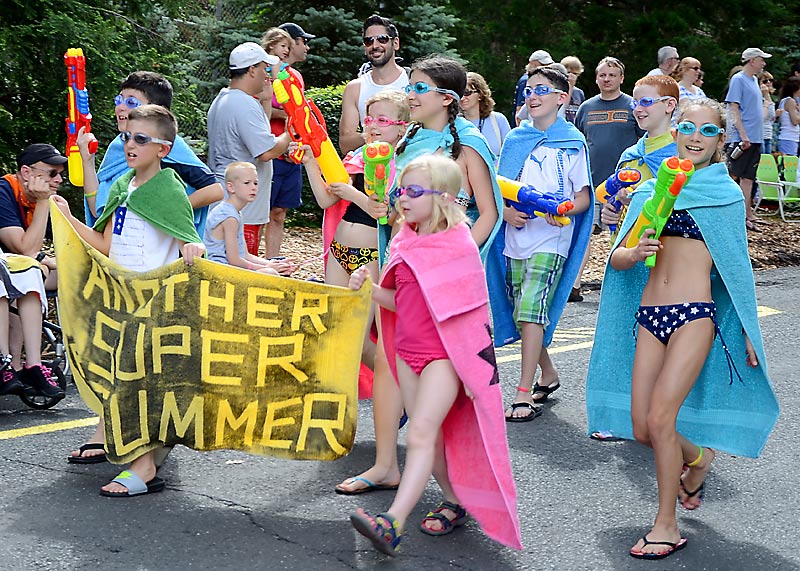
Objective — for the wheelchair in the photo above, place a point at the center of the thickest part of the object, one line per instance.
(53, 357)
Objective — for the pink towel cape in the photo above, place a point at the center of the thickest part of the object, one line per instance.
(448, 268)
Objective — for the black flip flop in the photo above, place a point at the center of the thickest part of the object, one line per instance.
(535, 411)
(547, 391)
(673, 547)
(96, 459)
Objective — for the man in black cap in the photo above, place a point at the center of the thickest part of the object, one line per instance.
(287, 177)
(24, 206)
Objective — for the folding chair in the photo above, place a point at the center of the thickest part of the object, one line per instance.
(771, 187)
(791, 186)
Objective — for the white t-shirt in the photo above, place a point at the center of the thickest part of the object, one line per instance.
(368, 88)
(138, 245)
(552, 171)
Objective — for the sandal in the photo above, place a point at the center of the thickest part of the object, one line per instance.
(672, 548)
(750, 225)
(546, 391)
(535, 411)
(382, 530)
(448, 525)
(699, 492)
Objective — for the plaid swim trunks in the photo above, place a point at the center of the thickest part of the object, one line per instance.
(532, 283)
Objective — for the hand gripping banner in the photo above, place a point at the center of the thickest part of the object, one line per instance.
(210, 356)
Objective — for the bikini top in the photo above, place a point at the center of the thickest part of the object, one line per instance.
(681, 224)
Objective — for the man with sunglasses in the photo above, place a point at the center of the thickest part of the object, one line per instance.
(381, 42)
(24, 206)
(668, 60)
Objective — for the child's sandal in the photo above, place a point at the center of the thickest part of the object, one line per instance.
(448, 525)
(382, 530)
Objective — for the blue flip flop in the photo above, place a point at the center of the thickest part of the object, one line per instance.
(370, 487)
(135, 485)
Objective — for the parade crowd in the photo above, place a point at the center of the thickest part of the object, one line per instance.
(460, 260)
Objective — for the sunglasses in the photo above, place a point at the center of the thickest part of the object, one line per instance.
(414, 191)
(381, 121)
(141, 139)
(540, 90)
(130, 102)
(421, 87)
(647, 101)
(382, 39)
(707, 129)
(52, 173)
(468, 92)
(696, 68)
(766, 81)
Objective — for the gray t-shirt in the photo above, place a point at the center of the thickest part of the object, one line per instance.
(215, 248)
(238, 130)
(744, 90)
(609, 128)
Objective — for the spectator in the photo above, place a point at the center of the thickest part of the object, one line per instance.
(745, 133)
(238, 129)
(668, 59)
(24, 206)
(700, 77)
(537, 59)
(607, 122)
(688, 72)
(381, 42)
(574, 69)
(789, 135)
(477, 106)
(766, 82)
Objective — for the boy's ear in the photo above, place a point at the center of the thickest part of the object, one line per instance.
(164, 150)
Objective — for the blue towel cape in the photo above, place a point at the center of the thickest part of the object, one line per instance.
(653, 160)
(114, 166)
(427, 142)
(737, 416)
(519, 144)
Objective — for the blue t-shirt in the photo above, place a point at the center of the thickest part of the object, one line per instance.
(10, 216)
(487, 129)
(744, 90)
(519, 99)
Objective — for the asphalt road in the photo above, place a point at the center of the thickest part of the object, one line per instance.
(582, 503)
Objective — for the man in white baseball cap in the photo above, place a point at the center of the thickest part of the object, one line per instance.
(744, 135)
(537, 59)
(238, 128)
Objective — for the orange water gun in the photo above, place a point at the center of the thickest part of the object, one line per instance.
(306, 125)
(78, 114)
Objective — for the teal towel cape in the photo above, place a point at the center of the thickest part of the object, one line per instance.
(652, 160)
(519, 144)
(737, 416)
(427, 142)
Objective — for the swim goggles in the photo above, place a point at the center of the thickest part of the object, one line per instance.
(647, 101)
(381, 121)
(141, 139)
(539, 90)
(130, 102)
(707, 129)
(414, 191)
(421, 87)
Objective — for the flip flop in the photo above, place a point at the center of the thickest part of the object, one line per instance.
(96, 459)
(370, 487)
(699, 492)
(135, 485)
(604, 436)
(537, 388)
(673, 547)
(535, 411)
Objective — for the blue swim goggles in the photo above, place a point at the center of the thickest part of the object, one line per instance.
(707, 129)
(130, 102)
(647, 101)
(421, 87)
(540, 90)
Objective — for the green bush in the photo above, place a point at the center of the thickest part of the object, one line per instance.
(329, 101)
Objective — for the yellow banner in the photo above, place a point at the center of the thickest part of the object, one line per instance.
(210, 356)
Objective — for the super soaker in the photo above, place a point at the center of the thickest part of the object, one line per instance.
(78, 114)
(307, 125)
(527, 199)
(672, 175)
(608, 189)
(377, 156)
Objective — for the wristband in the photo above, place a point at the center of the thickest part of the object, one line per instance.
(90, 195)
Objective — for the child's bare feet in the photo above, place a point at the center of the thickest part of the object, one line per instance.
(693, 480)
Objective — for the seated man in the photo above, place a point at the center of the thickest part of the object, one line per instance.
(24, 206)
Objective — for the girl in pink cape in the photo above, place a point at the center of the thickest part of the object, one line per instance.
(434, 320)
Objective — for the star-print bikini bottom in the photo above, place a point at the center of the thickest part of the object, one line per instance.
(664, 320)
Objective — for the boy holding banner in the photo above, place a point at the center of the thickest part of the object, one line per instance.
(151, 214)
